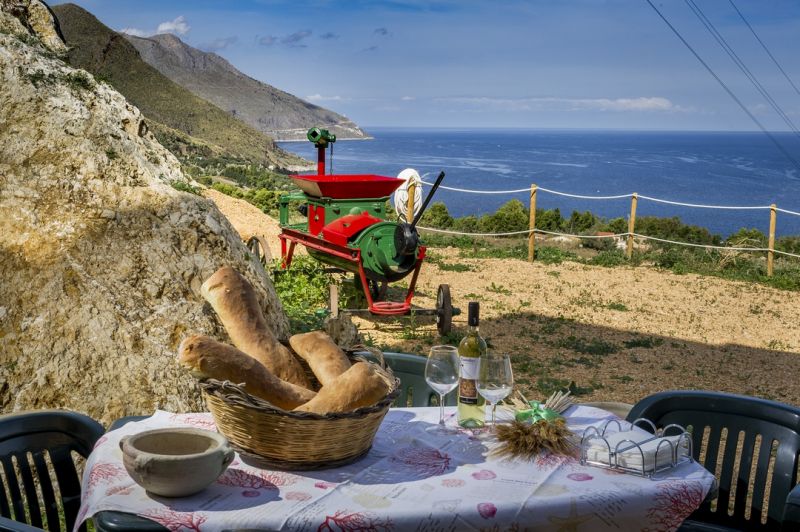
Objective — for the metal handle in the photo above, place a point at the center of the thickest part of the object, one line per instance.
(427, 200)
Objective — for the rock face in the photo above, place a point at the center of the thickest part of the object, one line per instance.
(273, 111)
(101, 256)
(36, 17)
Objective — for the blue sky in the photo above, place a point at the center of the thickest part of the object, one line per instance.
(534, 64)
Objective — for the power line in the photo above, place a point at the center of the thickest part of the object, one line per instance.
(739, 63)
(724, 86)
(764, 46)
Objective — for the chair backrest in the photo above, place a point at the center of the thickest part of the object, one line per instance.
(38, 470)
(410, 369)
(751, 445)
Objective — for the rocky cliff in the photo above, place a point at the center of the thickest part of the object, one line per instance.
(273, 111)
(101, 256)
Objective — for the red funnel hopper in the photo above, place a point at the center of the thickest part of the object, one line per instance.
(349, 186)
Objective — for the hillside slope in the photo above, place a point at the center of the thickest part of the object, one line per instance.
(618, 333)
(109, 56)
(270, 110)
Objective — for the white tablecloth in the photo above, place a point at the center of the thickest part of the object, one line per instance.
(410, 480)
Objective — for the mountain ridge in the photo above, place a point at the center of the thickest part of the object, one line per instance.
(262, 106)
(110, 57)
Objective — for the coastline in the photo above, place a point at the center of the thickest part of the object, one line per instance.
(337, 139)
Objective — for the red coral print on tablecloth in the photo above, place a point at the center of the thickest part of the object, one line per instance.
(100, 442)
(342, 521)
(118, 490)
(674, 502)
(256, 480)
(177, 521)
(580, 477)
(552, 460)
(200, 421)
(453, 482)
(325, 485)
(297, 496)
(487, 510)
(424, 461)
(104, 472)
(484, 474)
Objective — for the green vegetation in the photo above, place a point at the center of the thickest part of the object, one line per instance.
(80, 81)
(266, 200)
(514, 216)
(303, 291)
(184, 187)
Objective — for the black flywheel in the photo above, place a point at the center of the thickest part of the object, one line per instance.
(444, 310)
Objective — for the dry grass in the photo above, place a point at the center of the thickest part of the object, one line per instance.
(615, 334)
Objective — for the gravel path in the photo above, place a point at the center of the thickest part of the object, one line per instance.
(618, 333)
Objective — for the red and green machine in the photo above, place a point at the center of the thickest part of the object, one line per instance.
(346, 226)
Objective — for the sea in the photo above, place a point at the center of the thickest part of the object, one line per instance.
(730, 169)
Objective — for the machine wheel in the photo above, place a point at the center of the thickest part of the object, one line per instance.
(258, 247)
(444, 310)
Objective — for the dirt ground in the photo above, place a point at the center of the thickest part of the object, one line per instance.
(612, 334)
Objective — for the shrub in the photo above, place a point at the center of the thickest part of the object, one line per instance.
(303, 291)
(511, 216)
(437, 216)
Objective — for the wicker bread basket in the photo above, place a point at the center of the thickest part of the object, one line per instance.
(290, 440)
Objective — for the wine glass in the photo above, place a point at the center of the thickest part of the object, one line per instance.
(495, 379)
(441, 374)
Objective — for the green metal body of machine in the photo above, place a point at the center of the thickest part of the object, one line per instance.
(347, 227)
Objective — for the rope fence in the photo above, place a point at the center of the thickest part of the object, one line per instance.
(630, 234)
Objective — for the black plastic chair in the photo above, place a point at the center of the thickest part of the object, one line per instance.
(41, 487)
(410, 369)
(734, 436)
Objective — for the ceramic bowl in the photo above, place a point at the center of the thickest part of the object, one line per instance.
(175, 462)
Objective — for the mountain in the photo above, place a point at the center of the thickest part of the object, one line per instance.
(110, 57)
(264, 107)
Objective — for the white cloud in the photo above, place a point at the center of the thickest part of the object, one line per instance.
(321, 98)
(136, 32)
(178, 25)
(568, 104)
(407, 98)
(219, 44)
(267, 40)
(295, 39)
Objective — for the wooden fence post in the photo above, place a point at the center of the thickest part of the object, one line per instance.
(773, 213)
(631, 226)
(532, 225)
(412, 194)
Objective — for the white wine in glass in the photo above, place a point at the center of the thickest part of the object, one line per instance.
(495, 379)
(441, 374)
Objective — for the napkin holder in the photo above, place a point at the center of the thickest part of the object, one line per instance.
(639, 452)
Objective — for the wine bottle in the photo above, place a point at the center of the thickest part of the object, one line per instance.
(471, 411)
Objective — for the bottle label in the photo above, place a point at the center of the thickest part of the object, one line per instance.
(467, 389)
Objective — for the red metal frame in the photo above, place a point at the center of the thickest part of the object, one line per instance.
(382, 308)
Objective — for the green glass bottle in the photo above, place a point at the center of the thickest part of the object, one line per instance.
(471, 411)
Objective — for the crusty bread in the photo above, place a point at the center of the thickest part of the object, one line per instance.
(205, 357)
(324, 357)
(236, 304)
(364, 384)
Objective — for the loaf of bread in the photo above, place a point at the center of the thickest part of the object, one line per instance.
(236, 304)
(205, 357)
(324, 357)
(364, 384)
